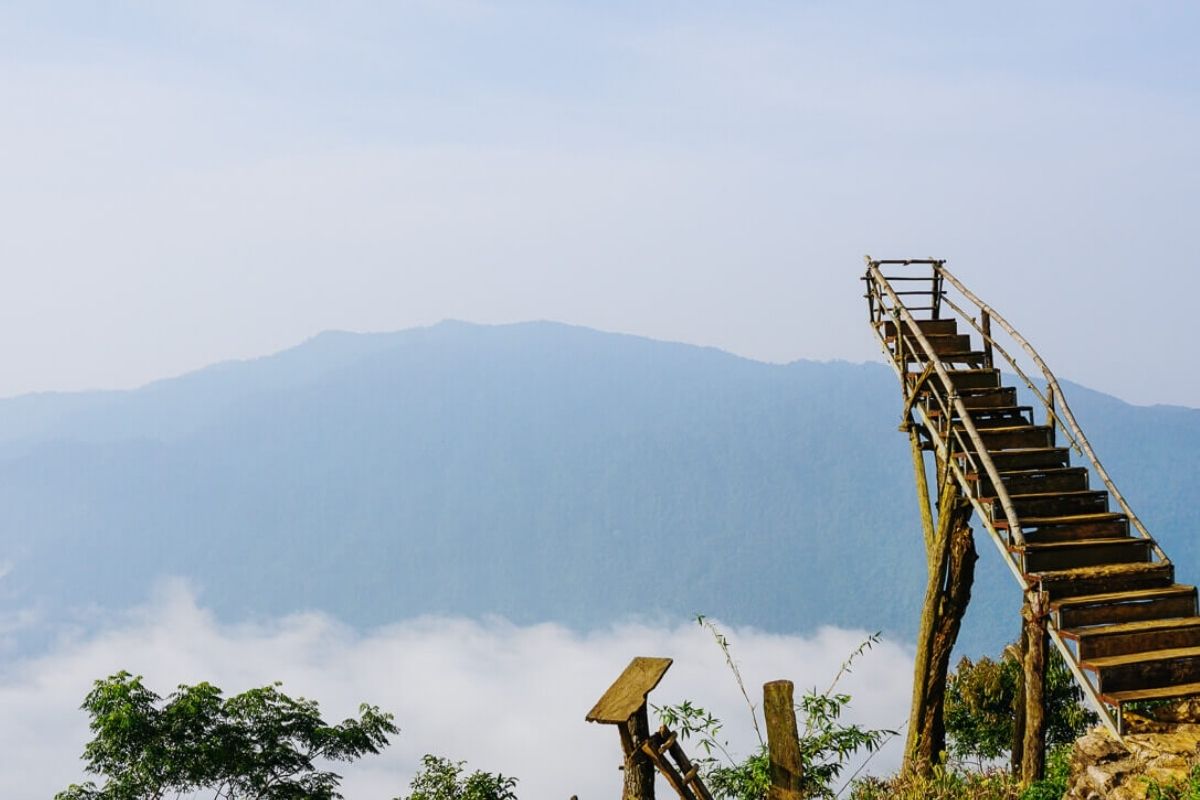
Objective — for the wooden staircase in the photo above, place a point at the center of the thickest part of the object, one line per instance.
(1128, 631)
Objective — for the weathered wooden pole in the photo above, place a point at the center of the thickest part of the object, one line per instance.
(639, 771)
(783, 742)
(1033, 675)
(1017, 745)
(950, 557)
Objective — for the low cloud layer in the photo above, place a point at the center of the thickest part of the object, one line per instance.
(500, 696)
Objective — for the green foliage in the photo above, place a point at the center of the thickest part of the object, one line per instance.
(258, 745)
(981, 699)
(1058, 771)
(1187, 789)
(826, 742)
(949, 782)
(441, 779)
(943, 783)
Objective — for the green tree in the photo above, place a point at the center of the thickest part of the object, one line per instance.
(826, 741)
(441, 779)
(981, 703)
(258, 745)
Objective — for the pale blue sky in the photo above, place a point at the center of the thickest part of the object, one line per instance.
(189, 182)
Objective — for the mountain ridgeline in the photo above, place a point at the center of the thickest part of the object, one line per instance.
(535, 471)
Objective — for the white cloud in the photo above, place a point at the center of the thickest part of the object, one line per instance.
(498, 695)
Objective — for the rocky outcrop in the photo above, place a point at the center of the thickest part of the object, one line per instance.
(1161, 748)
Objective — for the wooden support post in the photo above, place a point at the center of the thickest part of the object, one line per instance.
(1033, 673)
(950, 554)
(624, 705)
(783, 742)
(1017, 747)
(639, 771)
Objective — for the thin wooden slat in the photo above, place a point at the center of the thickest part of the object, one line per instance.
(628, 692)
(650, 748)
(686, 765)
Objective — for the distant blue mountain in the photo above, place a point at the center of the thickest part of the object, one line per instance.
(538, 471)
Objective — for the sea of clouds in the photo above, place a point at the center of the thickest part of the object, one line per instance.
(502, 697)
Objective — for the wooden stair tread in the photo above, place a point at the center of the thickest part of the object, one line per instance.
(980, 371)
(1122, 597)
(1028, 473)
(1143, 657)
(937, 412)
(1162, 693)
(1072, 544)
(1100, 516)
(1067, 493)
(1133, 627)
(1021, 450)
(973, 390)
(1013, 428)
(1104, 571)
(956, 355)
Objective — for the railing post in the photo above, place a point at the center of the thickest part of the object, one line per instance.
(1051, 417)
(985, 325)
(937, 292)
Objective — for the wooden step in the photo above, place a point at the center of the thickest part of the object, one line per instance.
(1053, 504)
(1075, 520)
(1028, 458)
(1108, 578)
(941, 343)
(934, 326)
(964, 379)
(971, 357)
(1043, 530)
(990, 397)
(992, 417)
(1020, 437)
(1119, 639)
(1084, 553)
(1178, 600)
(1177, 692)
(1036, 481)
(1153, 669)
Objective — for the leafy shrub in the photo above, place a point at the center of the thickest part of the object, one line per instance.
(1187, 789)
(441, 779)
(826, 743)
(1058, 771)
(981, 699)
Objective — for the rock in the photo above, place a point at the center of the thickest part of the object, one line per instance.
(1162, 748)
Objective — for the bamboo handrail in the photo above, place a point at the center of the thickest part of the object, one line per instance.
(1014, 525)
(990, 342)
(1067, 415)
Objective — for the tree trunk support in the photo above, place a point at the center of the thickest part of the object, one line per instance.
(1033, 675)
(783, 742)
(950, 556)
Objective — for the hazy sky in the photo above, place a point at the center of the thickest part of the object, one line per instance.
(189, 182)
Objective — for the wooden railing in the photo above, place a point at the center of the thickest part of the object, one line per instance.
(885, 306)
(1054, 401)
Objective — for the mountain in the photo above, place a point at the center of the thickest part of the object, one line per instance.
(537, 471)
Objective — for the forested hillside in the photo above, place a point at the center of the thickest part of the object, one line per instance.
(536, 471)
